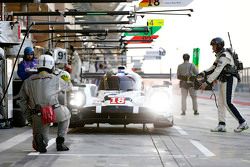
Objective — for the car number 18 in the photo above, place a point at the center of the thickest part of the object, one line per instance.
(117, 100)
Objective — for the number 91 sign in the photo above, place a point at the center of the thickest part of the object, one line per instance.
(60, 56)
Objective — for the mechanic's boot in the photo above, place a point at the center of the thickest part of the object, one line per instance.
(60, 146)
(196, 112)
(39, 144)
(241, 127)
(219, 128)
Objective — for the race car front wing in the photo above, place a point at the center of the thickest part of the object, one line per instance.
(119, 115)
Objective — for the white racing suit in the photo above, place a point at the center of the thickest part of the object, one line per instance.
(76, 68)
(226, 84)
(43, 89)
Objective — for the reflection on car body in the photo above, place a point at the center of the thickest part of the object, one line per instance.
(119, 99)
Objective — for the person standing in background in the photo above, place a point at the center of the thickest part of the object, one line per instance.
(184, 72)
(76, 64)
(28, 65)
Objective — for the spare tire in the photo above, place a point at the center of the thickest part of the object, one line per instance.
(19, 119)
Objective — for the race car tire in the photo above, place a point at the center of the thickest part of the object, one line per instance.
(75, 125)
(19, 119)
(160, 125)
(163, 124)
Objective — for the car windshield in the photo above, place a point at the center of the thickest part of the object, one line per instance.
(125, 83)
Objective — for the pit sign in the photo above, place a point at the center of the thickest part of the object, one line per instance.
(164, 3)
(60, 56)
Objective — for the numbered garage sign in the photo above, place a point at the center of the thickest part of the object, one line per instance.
(155, 22)
(60, 56)
(164, 3)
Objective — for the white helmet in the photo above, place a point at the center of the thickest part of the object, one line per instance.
(46, 61)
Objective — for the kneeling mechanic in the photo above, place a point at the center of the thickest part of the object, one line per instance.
(42, 89)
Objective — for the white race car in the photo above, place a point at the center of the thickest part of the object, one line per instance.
(120, 99)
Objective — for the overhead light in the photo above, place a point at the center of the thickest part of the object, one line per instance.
(79, 17)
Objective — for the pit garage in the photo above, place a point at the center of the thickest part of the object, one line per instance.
(125, 101)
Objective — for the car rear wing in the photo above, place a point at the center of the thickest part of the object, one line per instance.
(156, 75)
(91, 75)
(87, 75)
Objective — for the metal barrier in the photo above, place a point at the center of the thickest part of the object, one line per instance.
(244, 85)
(245, 75)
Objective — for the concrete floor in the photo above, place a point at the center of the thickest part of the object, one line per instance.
(188, 144)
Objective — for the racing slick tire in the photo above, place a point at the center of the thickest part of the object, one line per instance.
(163, 124)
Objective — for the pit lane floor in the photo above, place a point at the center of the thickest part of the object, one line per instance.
(188, 144)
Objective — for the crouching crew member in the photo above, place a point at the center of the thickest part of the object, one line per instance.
(42, 89)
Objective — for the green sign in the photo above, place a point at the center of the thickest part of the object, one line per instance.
(152, 30)
(196, 56)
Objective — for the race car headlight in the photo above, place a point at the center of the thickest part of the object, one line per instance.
(77, 99)
(159, 101)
